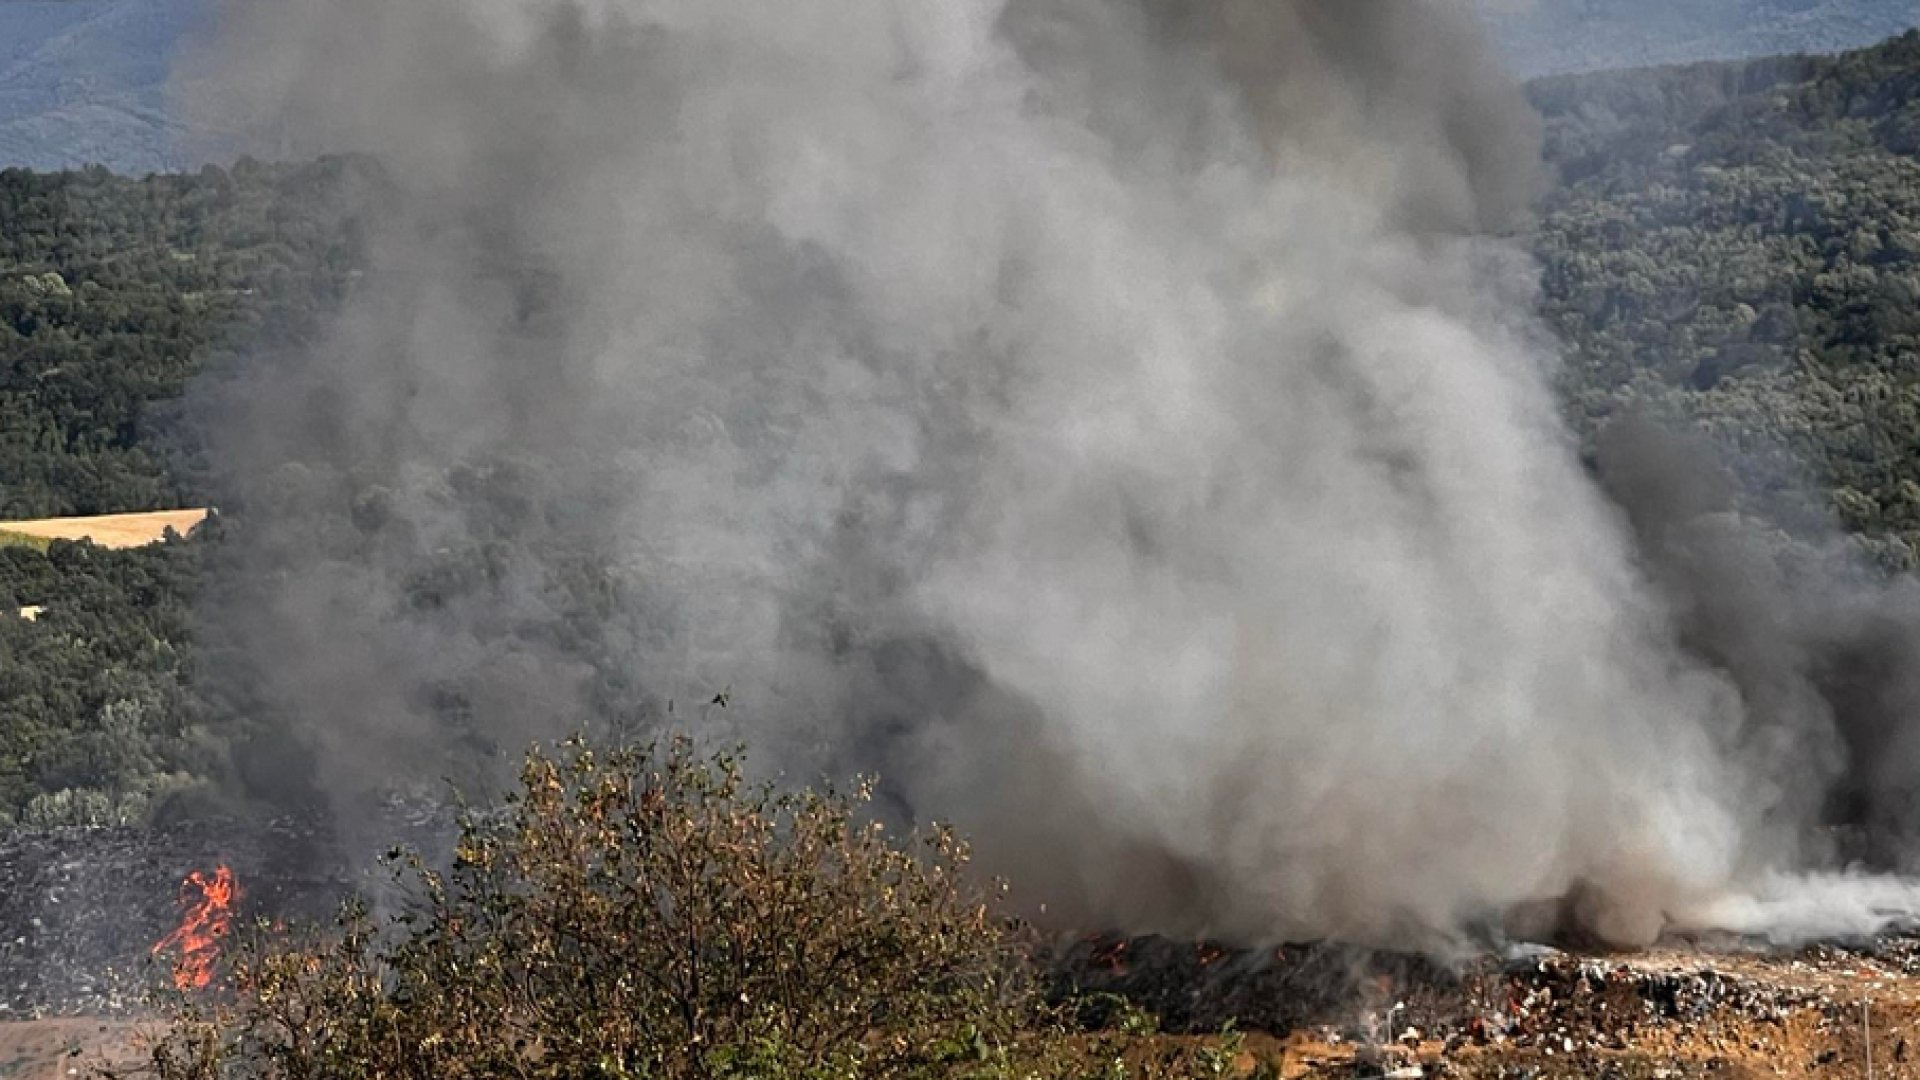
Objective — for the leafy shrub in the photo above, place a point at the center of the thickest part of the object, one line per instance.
(638, 913)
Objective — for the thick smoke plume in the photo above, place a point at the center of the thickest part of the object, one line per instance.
(1109, 419)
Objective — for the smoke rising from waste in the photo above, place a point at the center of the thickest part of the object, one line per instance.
(1113, 420)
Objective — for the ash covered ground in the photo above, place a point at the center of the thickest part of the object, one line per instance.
(85, 906)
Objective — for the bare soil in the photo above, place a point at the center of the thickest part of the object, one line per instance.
(65, 1048)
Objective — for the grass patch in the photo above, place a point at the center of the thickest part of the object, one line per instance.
(14, 539)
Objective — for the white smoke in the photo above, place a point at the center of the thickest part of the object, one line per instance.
(1796, 909)
(1108, 418)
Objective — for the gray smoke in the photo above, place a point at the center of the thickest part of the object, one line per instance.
(1110, 419)
(1824, 649)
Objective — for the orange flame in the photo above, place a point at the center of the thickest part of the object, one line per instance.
(1112, 955)
(207, 917)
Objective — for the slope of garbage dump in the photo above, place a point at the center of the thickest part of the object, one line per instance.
(1665, 1014)
(84, 907)
(1333, 1013)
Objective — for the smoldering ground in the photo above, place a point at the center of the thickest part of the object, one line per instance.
(1115, 421)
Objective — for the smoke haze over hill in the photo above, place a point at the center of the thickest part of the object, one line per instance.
(1111, 421)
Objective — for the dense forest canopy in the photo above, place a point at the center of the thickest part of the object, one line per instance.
(1732, 247)
(1738, 245)
(113, 292)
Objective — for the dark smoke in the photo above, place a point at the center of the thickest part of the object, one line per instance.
(1117, 421)
(1824, 650)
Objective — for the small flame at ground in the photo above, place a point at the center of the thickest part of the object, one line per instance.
(207, 904)
(1111, 955)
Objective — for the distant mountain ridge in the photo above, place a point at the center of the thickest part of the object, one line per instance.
(1560, 36)
(84, 81)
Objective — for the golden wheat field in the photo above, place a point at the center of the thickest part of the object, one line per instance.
(110, 530)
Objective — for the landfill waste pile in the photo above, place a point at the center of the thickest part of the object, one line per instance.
(1677, 1011)
(81, 926)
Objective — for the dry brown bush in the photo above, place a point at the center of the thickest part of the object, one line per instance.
(638, 913)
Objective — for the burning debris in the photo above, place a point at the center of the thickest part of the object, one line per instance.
(84, 907)
(205, 923)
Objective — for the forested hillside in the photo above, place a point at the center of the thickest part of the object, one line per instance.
(1730, 246)
(1739, 245)
(97, 720)
(113, 292)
